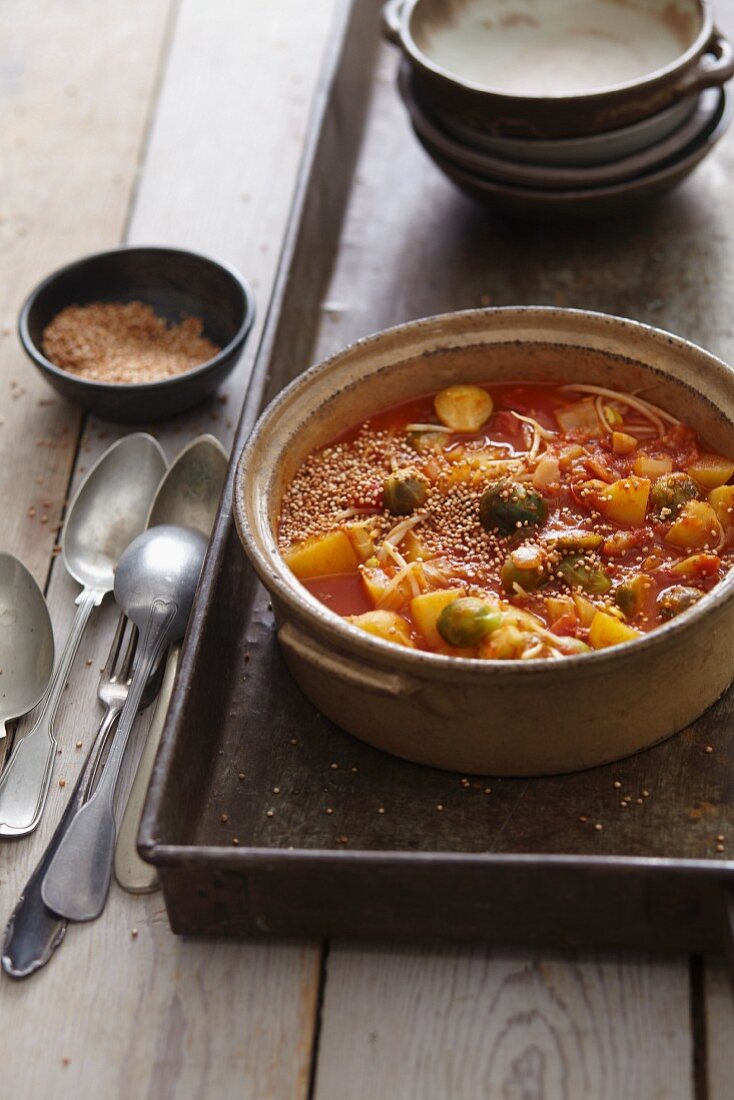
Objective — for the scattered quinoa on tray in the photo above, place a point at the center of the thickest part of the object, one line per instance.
(512, 521)
(124, 343)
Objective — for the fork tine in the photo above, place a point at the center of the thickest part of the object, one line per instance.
(125, 670)
(114, 647)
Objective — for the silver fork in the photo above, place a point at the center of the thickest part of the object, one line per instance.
(33, 932)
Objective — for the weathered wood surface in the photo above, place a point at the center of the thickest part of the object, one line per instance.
(134, 1009)
(69, 154)
(465, 1023)
(718, 1024)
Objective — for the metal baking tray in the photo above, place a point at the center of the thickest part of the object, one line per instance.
(262, 817)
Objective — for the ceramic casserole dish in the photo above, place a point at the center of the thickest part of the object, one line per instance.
(490, 717)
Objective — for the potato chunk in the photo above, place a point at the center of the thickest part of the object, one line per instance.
(652, 465)
(558, 606)
(698, 565)
(360, 536)
(426, 609)
(625, 501)
(547, 474)
(383, 590)
(696, 526)
(721, 500)
(413, 548)
(623, 444)
(387, 625)
(605, 631)
(463, 408)
(322, 555)
(710, 470)
(585, 609)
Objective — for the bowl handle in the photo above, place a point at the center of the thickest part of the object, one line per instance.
(392, 20)
(714, 67)
(304, 647)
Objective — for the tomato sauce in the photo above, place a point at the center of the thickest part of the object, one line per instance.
(513, 520)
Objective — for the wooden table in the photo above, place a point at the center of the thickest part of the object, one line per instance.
(181, 121)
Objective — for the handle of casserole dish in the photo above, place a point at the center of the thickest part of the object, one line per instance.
(714, 67)
(392, 20)
(304, 647)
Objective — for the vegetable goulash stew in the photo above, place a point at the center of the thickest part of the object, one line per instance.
(511, 521)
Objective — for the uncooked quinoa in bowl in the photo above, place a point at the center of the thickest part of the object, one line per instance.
(125, 343)
(138, 333)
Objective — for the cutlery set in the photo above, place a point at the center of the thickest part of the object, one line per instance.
(139, 530)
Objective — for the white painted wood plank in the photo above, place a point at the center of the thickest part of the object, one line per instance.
(465, 1022)
(149, 1014)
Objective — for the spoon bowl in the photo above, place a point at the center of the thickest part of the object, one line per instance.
(111, 508)
(161, 566)
(189, 493)
(26, 641)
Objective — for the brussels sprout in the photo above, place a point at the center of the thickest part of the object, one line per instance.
(528, 579)
(675, 599)
(402, 495)
(425, 440)
(579, 573)
(629, 596)
(465, 621)
(507, 506)
(670, 492)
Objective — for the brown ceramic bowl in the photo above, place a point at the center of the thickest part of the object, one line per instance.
(693, 131)
(546, 204)
(576, 152)
(503, 717)
(174, 282)
(575, 67)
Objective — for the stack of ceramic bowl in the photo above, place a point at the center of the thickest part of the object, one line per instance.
(563, 106)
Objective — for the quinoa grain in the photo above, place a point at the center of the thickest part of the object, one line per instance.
(124, 342)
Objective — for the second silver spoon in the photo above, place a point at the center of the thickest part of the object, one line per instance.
(189, 495)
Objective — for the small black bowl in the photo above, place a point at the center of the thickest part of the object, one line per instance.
(170, 280)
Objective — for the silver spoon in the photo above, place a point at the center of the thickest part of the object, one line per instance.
(189, 494)
(108, 511)
(26, 641)
(155, 584)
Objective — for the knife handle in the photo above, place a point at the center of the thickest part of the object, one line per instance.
(131, 872)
